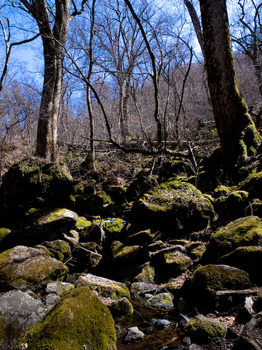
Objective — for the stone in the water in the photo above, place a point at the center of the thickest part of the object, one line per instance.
(161, 323)
(133, 335)
(162, 300)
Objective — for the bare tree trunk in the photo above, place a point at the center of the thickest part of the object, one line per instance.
(50, 104)
(238, 135)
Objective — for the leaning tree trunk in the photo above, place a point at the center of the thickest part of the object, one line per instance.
(238, 135)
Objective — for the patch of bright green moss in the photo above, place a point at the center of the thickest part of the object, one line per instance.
(78, 321)
(202, 329)
(241, 232)
(219, 277)
(4, 232)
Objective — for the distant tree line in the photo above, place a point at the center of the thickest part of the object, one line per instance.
(120, 71)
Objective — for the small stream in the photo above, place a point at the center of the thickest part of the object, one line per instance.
(155, 338)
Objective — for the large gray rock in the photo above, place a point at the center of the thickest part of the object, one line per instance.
(25, 268)
(18, 311)
(103, 286)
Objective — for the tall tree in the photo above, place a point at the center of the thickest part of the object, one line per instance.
(238, 135)
(52, 19)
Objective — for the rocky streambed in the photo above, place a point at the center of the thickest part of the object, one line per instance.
(152, 264)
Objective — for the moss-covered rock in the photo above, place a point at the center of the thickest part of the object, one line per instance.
(104, 287)
(246, 258)
(162, 301)
(126, 261)
(245, 231)
(202, 330)
(232, 205)
(99, 203)
(170, 263)
(115, 228)
(87, 257)
(35, 184)
(59, 249)
(208, 279)
(24, 268)
(83, 226)
(196, 250)
(4, 232)
(147, 273)
(174, 206)
(48, 226)
(59, 288)
(252, 184)
(121, 308)
(78, 321)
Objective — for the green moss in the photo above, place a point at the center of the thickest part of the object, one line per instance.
(196, 250)
(23, 268)
(202, 329)
(78, 321)
(246, 258)
(241, 232)
(82, 223)
(162, 300)
(221, 190)
(114, 226)
(147, 274)
(4, 232)
(219, 277)
(252, 184)
(174, 205)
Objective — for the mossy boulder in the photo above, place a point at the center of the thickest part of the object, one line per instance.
(4, 232)
(83, 226)
(59, 249)
(104, 287)
(245, 231)
(78, 321)
(162, 301)
(174, 206)
(121, 308)
(170, 263)
(202, 330)
(142, 184)
(87, 257)
(209, 279)
(24, 268)
(232, 205)
(252, 184)
(147, 273)
(48, 226)
(126, 260)
(248, 259)
(98, 203)
(35, 184)
(195, 250)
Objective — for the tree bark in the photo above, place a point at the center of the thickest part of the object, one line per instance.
(54, 41)
(238, 135)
